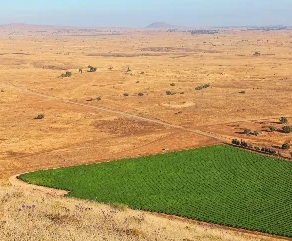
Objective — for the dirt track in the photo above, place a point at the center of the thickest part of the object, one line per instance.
(115, 112)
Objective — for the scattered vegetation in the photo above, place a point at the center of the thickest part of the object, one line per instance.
(168, 92)
(287, 129)
(286, 146)
(40, 117)
(66, 75)
(283, 120)
(192, 184)
(205, 86)
(249, 132)
(91, 68)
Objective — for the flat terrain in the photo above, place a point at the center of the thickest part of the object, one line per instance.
(33, 58)
(218, 184)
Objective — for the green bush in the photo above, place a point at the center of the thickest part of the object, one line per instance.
(286, 146)
(287, 129)
(283, 120)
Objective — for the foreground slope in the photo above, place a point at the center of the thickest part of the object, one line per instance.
(218, 184)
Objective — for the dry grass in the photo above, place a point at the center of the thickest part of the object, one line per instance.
(71, 135)
(34, 215)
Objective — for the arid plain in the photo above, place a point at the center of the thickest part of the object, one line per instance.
(133, 115)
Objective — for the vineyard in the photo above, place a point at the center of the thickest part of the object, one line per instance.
(218, 184)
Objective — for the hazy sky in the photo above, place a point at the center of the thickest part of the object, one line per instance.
(139, 13)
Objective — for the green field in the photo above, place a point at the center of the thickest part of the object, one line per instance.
(218, 184)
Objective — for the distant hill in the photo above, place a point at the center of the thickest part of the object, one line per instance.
(160, 25)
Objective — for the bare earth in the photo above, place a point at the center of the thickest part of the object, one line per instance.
(76, 130)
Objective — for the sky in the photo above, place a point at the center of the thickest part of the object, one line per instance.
(140, 13)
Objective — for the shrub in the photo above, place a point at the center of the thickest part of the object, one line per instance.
(272, 128)
(40, 117)
(140, 94)
(286, 146)
(243, 144)
(126, 94)
(170, 92)
(205, 86)
(235, 142)
(67, 74)
(287, 129)
(91, 68)
(283, 120)
(247, 131)
(255, 133)
(172, 84)
(98, 98)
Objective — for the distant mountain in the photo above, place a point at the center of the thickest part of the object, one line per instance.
(160, 25)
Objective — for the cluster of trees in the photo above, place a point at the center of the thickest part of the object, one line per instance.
(239, 143)
(205, 86)
(246, 145)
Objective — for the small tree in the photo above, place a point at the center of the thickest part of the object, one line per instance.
(235, 142)
(283, 120)
(287, 129)
(286, 146)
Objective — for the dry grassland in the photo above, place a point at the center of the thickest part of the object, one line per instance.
(32, 58)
